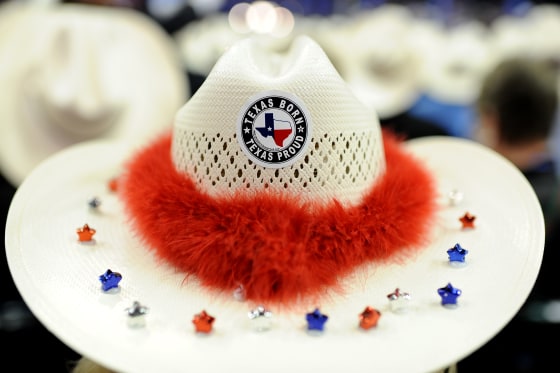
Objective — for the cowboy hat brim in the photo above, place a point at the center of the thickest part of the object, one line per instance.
(58, 276)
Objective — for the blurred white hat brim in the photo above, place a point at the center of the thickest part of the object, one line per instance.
(85, 72)
(58, 277)
(387, 98)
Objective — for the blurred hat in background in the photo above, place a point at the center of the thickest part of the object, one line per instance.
(202, 42)
(544, 27)
(454, 72)
(74, 72)
(510, 36)
(376, 58)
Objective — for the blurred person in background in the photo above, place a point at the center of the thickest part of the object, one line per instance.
(517, 109)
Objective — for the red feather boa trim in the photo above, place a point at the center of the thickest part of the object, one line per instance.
(280, 250)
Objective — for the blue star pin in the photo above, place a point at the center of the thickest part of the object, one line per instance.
(110, 280)
(449, 295)
(457, 254)
(316, 320)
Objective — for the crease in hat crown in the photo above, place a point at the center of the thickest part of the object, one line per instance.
(344, 158)
(69, 90)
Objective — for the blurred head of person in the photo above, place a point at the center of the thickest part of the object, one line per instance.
(517, 107)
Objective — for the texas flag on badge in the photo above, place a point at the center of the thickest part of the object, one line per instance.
(278, 129)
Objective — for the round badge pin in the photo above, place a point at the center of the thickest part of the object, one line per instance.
(274, 129)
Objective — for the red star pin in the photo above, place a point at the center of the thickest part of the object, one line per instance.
(85, 233)
(467, 220)
(369, 318)
(203, 322)
(113, 184)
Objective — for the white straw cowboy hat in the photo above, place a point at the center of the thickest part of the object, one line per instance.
(280, 220)
(85, 72)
